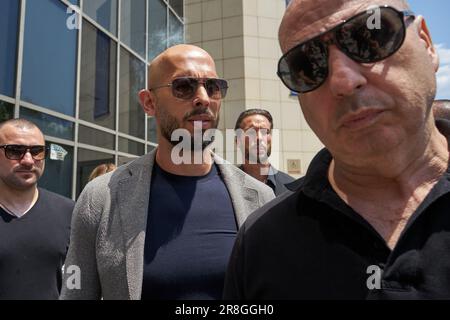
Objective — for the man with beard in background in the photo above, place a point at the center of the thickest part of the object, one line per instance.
(158, 227)
(254, 139)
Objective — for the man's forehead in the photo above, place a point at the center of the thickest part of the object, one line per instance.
(305, 19)
(9, 133)
(180, 63)
(255, 120)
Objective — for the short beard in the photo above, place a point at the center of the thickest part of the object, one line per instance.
(168, 124)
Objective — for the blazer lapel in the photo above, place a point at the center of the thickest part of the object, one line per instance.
(244, 199)
(133, 197)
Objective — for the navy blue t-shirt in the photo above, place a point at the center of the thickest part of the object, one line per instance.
(191, 229)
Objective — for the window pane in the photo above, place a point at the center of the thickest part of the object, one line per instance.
(121, 160)
(132, 80)
(132, 24)
(151, 127)
(104, 12)
(57, 175)
(75, 2)
(9, 17)
(157, 28)
(98, 77)
(177, 5)
(176, 32)
(132, 147)
(49, 57)
(96, 137)
(6, 111)
(86, 162)
(49, 125)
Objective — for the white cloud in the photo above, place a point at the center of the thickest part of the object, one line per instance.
(444, 53)
(443, 75)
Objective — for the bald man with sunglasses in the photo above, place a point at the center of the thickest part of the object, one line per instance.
(162, 227)
(34, 223)
(371, 218)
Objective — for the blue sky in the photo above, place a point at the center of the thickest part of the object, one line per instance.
(437, 15)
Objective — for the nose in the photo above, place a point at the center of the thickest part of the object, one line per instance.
(201, 98)
(27, 159)
(345, 76)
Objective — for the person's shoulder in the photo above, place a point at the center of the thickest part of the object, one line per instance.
(254, 183)
(278, 211)
(283, 176)
(57, 206)
(55, 198)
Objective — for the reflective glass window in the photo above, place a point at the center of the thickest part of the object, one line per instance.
(75, 2)
(96, 137)
(86, 162)
(104, 12)
(130, 146)
(176, 30)
(6, 111)
(151, 130)
(132, 80)
(9, 17)
(98, 77)
(49, 57)
(121, 160)
(49, 125)
(177, 6)
(132, 24)
(157, 28)
(57, 175)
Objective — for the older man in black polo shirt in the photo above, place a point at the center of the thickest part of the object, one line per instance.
(371, 218)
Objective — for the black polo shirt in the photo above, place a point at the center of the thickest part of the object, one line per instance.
(311, 245)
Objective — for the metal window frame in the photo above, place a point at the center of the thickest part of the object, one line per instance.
(17, 102)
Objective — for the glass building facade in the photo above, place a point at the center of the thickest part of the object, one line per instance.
(74, 68)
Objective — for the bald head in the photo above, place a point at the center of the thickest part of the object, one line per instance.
(11, 128)
(305, 19)
(22, 124)
(175, 58)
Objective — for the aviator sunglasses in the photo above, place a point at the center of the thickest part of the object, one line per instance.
(18, 151)
(304, 68)
(185, 87)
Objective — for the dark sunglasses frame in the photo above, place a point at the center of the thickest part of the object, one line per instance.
(24, 150)
(284, 73)
(221, 84)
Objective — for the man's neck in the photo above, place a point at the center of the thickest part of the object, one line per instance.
(390, 190)
(259, 171)
(198, 163)
(401, 179)
(17, 202)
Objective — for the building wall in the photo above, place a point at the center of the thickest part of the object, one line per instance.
(75, 68)
(242, 37)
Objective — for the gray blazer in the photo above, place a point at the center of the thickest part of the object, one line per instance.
(109, 223)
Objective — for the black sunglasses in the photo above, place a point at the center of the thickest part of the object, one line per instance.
(18, 151)
(185, 88)
(304, 68)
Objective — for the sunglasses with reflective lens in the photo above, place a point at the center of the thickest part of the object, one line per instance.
(18, 151)
(304, 68)
(185, 87)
